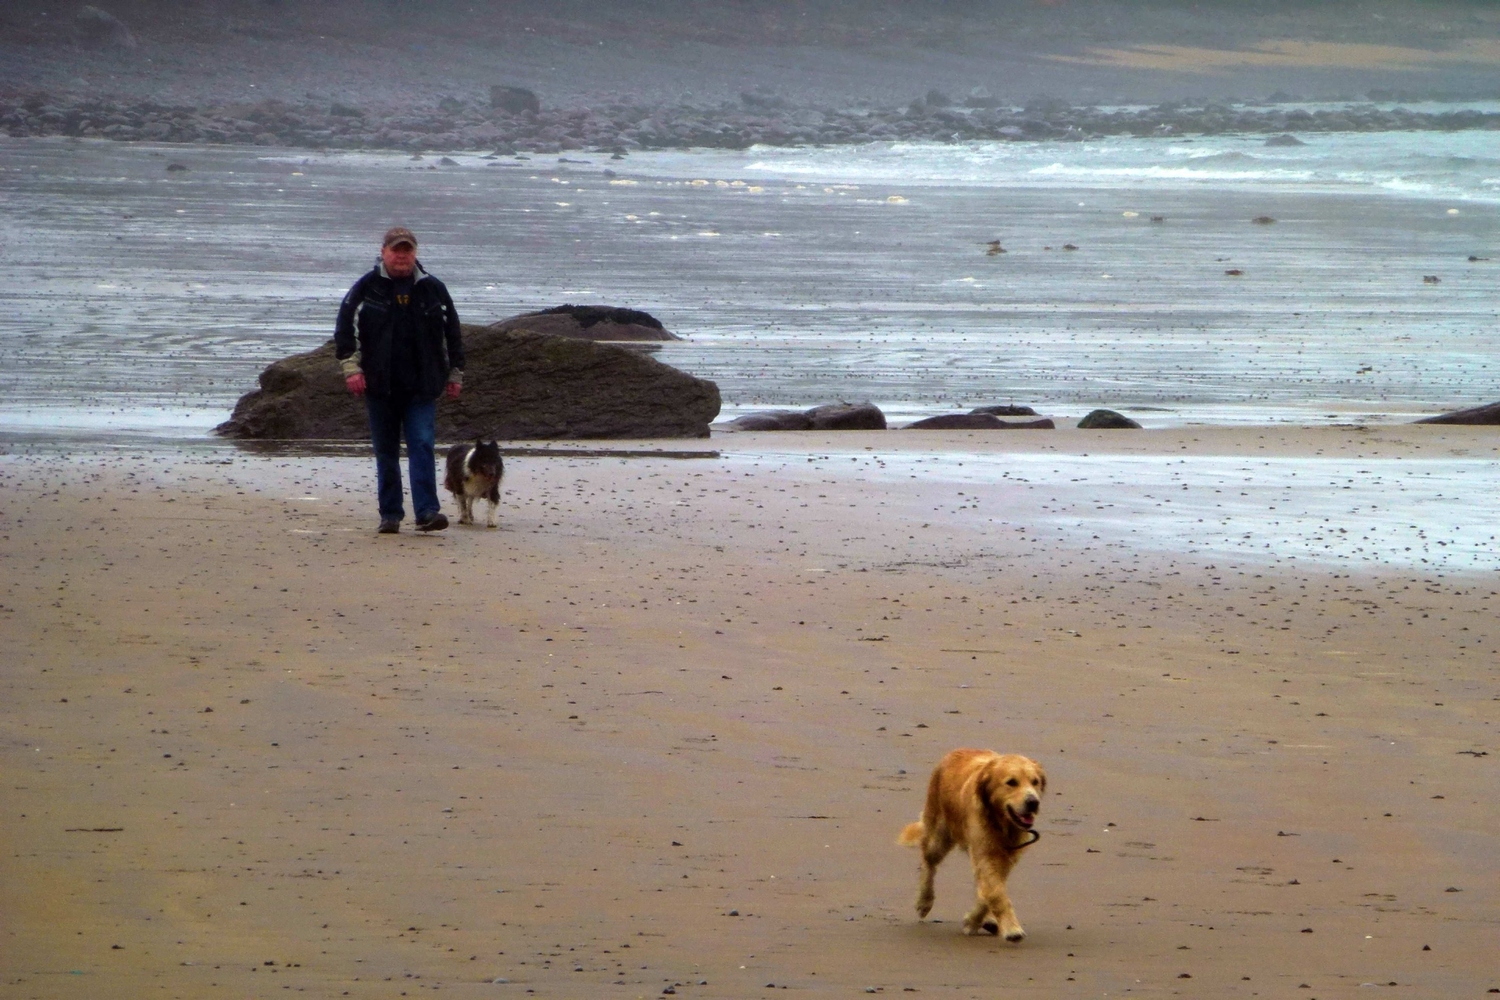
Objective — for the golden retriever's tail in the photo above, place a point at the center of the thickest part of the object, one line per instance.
(911, 834)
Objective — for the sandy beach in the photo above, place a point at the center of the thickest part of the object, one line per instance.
(656, 735)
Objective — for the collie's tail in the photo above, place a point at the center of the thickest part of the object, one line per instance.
(911, 834)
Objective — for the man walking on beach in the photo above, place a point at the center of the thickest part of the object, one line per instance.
(398, 342)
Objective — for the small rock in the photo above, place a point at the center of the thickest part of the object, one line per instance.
(1005, 410)
(847, 417)
(977, 421)
(762, 98)
(1107, 420)
(515, 100)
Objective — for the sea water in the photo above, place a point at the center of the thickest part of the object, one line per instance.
(1125, 273)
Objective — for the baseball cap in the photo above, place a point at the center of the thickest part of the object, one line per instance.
(398, 234)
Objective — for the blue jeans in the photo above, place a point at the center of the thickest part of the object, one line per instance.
(388, 416)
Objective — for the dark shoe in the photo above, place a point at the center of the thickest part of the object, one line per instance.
(436, 522)
(389, 527)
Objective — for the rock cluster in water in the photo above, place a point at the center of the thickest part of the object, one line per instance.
(512, 123)
(864, 416)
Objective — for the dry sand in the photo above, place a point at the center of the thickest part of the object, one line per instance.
(659, 731)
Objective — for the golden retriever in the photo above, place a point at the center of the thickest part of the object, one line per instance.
(986, 803)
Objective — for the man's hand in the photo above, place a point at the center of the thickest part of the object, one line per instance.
(454, 388)
(356, 383)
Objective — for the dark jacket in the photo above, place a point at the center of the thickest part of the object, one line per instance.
(370, 321)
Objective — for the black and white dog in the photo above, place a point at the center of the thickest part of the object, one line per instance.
(474, 471)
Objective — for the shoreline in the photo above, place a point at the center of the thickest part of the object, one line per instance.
(618, 128)
(795, 279)
(250, 744)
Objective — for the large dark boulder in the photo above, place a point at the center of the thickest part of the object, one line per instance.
(1486, 415)
(590, 323)
(1096, 420)
(517, 385)
(976, 422)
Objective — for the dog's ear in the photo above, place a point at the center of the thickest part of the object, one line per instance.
(986, 790)
(1041, 778)
(988, 784)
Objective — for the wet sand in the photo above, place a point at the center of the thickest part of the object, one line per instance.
(661, 728)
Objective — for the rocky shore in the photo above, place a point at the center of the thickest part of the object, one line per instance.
(755, 119)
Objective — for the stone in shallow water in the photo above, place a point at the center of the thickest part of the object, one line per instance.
(773, 420)
(977, 422)
(1107, 420)
(847, 417)
(1005, 410)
